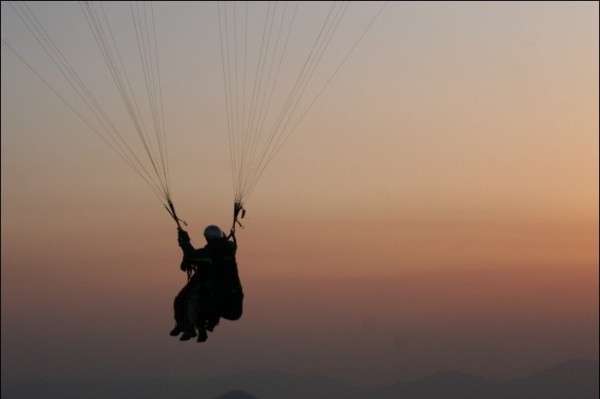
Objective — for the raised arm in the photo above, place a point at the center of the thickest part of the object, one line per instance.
(184, 242)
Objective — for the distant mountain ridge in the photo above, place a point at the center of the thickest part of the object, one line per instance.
(576, 379)
(237, 395)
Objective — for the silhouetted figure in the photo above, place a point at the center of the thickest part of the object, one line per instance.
(213, 289)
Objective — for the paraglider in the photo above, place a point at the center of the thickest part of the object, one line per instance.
(270, 83)
(214, 289)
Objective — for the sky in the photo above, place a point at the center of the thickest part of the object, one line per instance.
(436, 209)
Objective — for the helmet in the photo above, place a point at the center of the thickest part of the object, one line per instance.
(212, 232)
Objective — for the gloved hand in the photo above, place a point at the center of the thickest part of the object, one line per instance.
(182, 237)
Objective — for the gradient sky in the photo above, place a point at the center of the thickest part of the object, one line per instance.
(437, 209)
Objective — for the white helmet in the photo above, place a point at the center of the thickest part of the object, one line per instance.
(212, 232)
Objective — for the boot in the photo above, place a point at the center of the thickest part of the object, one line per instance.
(177, 330)
(189, 333)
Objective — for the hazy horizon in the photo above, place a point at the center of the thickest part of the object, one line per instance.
(437, 208)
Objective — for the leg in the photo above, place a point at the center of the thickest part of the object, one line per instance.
(179, 308)
(191, 314)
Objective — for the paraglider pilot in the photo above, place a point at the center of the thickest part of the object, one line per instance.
(213, 290)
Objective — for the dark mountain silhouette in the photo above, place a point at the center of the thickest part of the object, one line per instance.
(451, 385)
(577, 379)
(573, 379)
(237, 395)
(275, 384)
